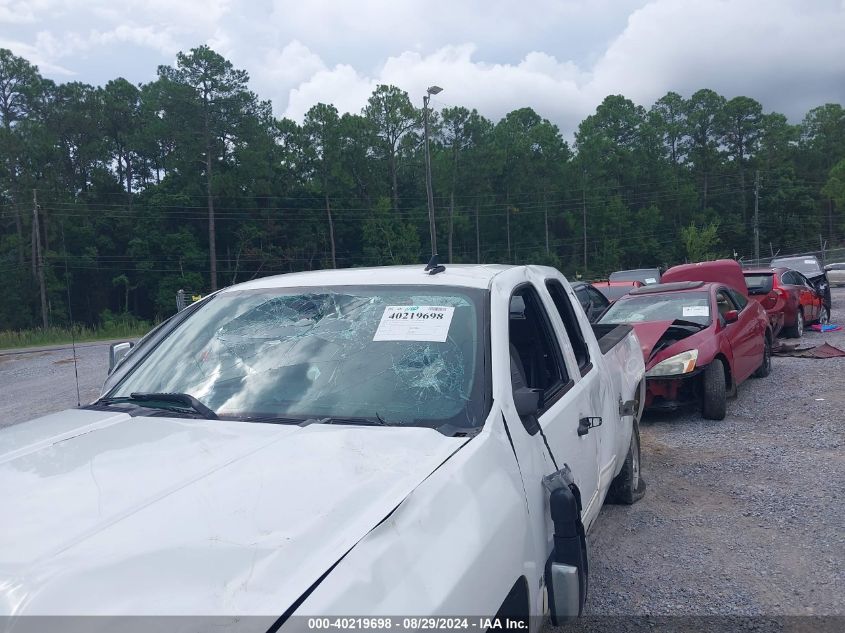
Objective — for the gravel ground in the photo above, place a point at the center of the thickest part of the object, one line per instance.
(38, 382)
(743, 517)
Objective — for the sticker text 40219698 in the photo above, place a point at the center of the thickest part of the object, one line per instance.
(414, 323)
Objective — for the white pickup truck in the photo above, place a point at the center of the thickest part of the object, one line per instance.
(349, 443)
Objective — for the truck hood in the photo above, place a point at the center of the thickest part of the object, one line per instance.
(110, 514)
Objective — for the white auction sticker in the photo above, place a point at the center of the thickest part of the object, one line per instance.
(414, 323)
(809, 261)
(650, 280)
(696, 311)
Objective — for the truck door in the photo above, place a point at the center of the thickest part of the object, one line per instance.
(570, 400)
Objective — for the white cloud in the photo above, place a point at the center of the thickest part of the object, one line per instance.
(561, 57)
(778, 51)
(341, 86)
(785, 53)
(35, 56)
(539, 80)
(287, 68)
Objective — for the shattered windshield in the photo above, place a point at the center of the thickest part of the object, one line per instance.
(660, 306)
(401, 354)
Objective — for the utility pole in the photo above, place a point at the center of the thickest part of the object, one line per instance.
(546, 219)
(39, 260)
(477, 237)
(584, 211)
(757, 217)
(433, 90)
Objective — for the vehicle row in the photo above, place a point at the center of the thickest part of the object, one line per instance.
(706, 327)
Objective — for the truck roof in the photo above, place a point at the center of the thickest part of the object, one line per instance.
(463, 275)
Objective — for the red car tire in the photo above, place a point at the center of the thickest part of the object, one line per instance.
(714, 397)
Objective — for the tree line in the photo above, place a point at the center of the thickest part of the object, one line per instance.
(112, 198)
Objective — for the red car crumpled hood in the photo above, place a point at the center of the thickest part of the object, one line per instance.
(649, 332)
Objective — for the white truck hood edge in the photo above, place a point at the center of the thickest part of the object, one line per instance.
(166, 516)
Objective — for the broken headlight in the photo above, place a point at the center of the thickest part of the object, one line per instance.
(676, 365)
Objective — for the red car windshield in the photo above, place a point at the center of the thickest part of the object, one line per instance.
(660, 306)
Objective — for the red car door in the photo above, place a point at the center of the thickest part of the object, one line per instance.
(801, 295)
(744, 335)
(810, 300)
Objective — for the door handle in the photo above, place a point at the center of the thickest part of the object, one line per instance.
(585, 424)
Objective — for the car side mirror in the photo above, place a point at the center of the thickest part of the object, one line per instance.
(731, 316)
(527, 401)
(117, 352)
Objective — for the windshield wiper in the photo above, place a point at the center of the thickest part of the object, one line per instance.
(376, 421)
(184, 400)
(270, 419)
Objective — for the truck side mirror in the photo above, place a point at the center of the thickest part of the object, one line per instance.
(731, 316)
(117, 352)
(527, 401)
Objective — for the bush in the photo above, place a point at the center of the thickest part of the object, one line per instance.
(120, 326)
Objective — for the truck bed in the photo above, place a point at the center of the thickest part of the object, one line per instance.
(609, 335)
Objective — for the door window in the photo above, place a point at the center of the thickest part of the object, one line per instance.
(724, 302)
(600, 302)
(536, 358)
(570, 323)
(739, 300)
(583, 299)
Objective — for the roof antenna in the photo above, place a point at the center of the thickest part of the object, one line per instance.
(70, 316)
(433, 267)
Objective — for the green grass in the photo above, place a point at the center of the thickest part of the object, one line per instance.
(129, 329)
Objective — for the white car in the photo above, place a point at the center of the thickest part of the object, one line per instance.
(836, 274)
(359, 442)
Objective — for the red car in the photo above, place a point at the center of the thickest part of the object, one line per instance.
(700, 341)
(788, 297)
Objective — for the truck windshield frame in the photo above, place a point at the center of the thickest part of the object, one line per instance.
(310, 353)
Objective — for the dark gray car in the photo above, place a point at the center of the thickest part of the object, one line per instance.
(644, 275)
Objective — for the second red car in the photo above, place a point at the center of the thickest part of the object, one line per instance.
(788, 297)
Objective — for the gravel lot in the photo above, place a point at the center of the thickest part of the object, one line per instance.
(743, 517)
(38, 382)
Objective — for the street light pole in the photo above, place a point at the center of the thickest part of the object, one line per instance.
(433, 90)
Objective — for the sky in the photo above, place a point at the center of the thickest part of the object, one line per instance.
(560, 57)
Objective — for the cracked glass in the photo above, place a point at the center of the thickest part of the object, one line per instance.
(309, 353)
